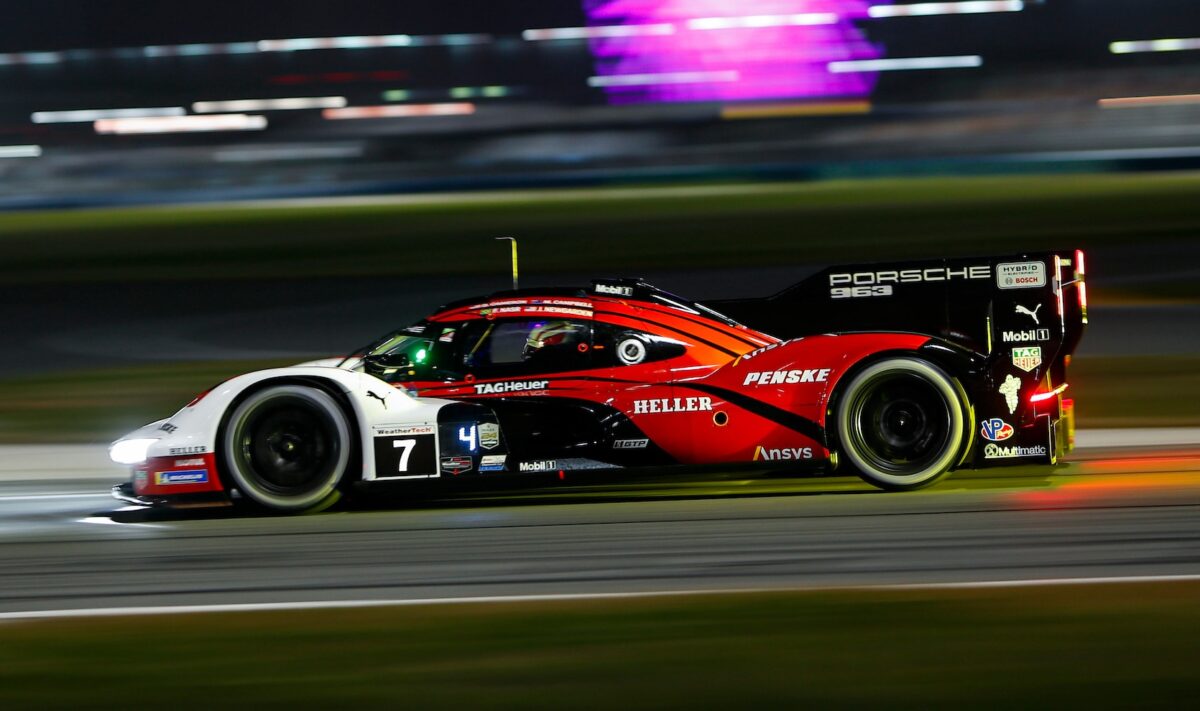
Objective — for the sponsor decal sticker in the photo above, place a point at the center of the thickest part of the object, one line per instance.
(189, 463)
(1031, 314)
(995, 451)
(678, 404)
(909, 276)
(456, 465)
(1027, 358)
(180, 451)
(489, 435)
(183, 476)
(1033, 334)
(1010, 389)
(546, 465)
(762, 350)
(996, 430)
(447, 335)
(513, 386)
(614, 290)
(631, 444)
(1020, 275)
(168, 428)
(492, 459)
(781, 377)
(395, 430)
(762, 454)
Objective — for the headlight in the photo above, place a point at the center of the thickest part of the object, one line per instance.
(130, 451)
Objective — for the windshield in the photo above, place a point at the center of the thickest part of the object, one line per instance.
(412, 353)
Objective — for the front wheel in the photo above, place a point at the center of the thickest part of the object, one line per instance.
(286, 448)
(901, 423)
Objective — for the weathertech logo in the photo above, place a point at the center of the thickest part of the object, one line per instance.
(762, 454)
(678, 404)
(780, 377)
(515, 386)
(995, 451)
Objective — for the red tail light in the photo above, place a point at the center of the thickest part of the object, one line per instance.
(1042, 397)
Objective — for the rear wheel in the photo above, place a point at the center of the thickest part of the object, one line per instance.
(901, 423)
(287, 448)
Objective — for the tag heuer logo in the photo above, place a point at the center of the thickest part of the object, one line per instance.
(489, 435)
(1027, 358)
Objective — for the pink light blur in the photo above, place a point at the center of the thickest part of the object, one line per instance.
(776, 49)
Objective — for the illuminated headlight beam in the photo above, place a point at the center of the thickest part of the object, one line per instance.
(182, 124)
(663, 78)
(20, 151)
(1158, 45)
(923, 9)
(89, 115)
(403, 111)
(906, 64)
(130, 451)
(578, 33)
(290, 104)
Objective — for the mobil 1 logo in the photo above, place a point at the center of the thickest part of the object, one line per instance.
(405, 452)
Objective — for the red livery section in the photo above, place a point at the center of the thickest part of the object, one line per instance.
(172, 476)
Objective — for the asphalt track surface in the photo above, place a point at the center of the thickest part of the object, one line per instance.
(1111, 513)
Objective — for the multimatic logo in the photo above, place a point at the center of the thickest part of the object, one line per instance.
(995, 451)
(780, 377)
(514, 386)
(678, 404)
(762, 454)
(1033, 334)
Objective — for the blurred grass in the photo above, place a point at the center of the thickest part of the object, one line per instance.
(102, 404)
(602, 229)
(1103, 646)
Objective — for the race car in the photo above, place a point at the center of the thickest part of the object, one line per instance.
(900, 373)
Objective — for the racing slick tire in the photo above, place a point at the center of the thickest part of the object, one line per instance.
(287, 448)
(902, 423)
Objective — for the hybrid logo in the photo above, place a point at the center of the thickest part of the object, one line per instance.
(995, 451)
(762, 454)
(996, 430)
(1033, 334)
(1020, 275)
(780, 377)
(542, 466)
(515, 386)
(679, 404)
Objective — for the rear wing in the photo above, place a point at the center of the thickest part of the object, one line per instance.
(985, 304)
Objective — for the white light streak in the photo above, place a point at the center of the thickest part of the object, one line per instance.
(89, 115)
(1131, 102)
(1158, 45)
(749, 21)
(182, 124)
(20, 151)
(290, 104)
(578, 33)
(403, 111)
(906, 64)
(663, 78)
(946, 8)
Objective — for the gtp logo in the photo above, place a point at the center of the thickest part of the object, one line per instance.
(996, 430)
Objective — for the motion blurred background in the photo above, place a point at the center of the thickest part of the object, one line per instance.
(191, 189)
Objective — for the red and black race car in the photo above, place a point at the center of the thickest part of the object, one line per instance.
(900, 373)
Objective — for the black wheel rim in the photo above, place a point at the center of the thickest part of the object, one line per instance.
(289, 445)
(900, 423)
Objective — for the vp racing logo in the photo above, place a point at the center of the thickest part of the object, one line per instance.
(996, 430)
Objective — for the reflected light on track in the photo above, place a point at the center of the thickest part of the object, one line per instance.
(89, 115)
(289, 104)
(181, 124)
(1134, 102)
(404, 111)
(20, 151)
(925, 9)
(907, 64)
(1158, 45)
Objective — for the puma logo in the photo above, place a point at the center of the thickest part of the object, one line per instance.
(377, 397)
(1031, 314)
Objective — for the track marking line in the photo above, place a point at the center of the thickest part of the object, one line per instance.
(40, 497)
(106, 521)
(558, 597)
